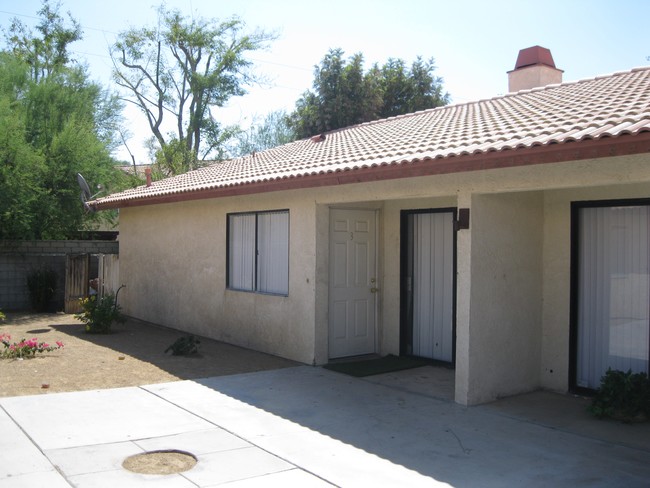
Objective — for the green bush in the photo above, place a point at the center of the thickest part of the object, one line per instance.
(99, 314)
(41, 284)
(623, 396)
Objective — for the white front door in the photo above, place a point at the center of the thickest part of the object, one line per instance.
(353, 282)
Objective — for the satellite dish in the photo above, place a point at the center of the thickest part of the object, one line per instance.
(86, 195)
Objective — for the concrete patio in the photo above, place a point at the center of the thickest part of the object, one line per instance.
(305, 426)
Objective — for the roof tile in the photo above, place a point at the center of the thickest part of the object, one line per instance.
(605, 106)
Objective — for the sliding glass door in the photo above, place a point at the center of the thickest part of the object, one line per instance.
(428, 291)
(613, 290)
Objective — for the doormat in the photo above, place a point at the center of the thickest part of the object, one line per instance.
(369, 367)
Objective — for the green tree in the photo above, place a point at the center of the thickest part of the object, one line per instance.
(182, 70)
(54, 123)
(48, 53)
(272, 131)
(22, 167)
(407, 90)
(344, 95)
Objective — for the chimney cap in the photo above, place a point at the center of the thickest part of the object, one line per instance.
(532, 56)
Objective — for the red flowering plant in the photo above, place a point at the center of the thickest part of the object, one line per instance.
(25, 348)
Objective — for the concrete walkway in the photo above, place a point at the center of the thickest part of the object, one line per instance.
(308, 427)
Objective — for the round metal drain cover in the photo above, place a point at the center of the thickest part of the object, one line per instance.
(160, 462)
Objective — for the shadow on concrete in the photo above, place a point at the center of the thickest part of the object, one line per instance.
(531, 440)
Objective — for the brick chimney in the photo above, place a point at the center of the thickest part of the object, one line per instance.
(147, 174)
(534, 68)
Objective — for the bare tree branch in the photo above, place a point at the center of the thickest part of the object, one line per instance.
(199, 64)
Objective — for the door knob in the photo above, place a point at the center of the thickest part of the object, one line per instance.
(374, 290)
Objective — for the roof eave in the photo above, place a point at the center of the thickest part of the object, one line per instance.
(622, 145)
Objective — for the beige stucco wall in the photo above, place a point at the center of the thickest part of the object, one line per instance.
(512, 271)
(505, 316)
(173, 260)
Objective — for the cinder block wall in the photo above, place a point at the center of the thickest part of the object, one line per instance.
(19, 258)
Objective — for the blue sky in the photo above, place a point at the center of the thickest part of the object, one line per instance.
(474, 43)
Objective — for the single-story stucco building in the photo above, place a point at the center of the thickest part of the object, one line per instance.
(507, 237)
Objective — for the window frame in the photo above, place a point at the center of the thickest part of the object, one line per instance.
(256, 251)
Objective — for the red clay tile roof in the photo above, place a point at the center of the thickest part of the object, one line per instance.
(594, 109)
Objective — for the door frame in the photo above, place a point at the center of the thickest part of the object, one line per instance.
(377, 271)
(403, 292)
(575, 279)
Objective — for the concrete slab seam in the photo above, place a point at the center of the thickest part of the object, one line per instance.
(31, 440)
(236, 435)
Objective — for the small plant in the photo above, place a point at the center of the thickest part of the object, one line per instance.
(41, 285)
(622, 396)
(2, 316)
(25, 348)
(99, 314)
(184, 346)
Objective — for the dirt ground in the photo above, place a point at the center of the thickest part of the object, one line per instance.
(132, 355)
